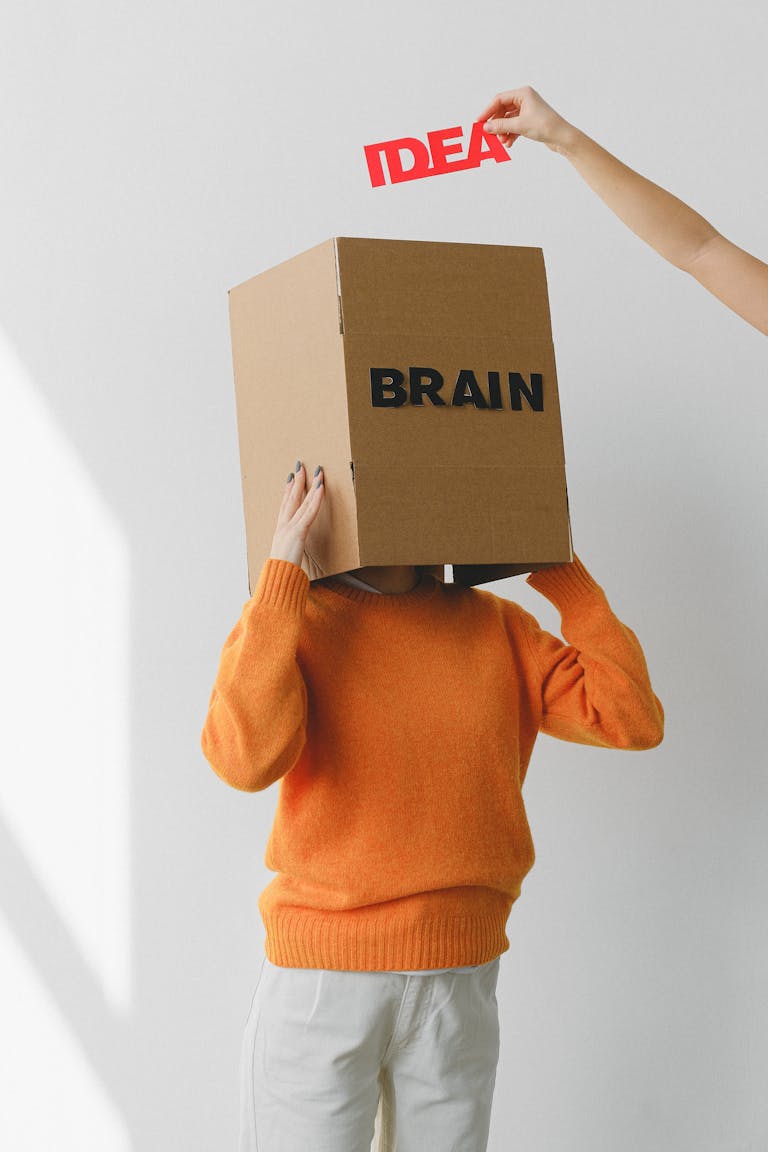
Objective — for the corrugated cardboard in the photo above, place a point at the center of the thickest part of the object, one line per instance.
(318, 338)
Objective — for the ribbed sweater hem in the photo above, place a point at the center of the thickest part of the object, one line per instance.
(282, 584)
(566, 585)
(368, 941)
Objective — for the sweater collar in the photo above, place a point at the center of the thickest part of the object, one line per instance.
(424, 590)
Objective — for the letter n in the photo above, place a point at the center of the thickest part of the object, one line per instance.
(518, 388)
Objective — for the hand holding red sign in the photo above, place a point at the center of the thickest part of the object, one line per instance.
(531, 116)
(670, 226)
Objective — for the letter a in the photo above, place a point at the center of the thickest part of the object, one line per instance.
(477, 153)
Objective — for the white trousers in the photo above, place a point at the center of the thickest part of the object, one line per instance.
(337, 1061)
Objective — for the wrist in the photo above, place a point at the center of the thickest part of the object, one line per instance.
(282, 550)
(568, 140)
(279, 555)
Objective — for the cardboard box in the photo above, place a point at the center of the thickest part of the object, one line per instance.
(421, 375)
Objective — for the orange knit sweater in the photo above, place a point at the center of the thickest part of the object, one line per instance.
(400, 728)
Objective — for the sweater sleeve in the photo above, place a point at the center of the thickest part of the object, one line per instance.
(595, 688)
(256, 724)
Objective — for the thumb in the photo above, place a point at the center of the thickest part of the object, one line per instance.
(502, 125)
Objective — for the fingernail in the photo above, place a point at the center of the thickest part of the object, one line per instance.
(298, 465)
(317, 470)
(290, 477)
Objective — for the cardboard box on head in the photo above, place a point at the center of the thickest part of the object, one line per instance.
(421, 376)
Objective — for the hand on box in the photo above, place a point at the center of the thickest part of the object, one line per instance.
(529, 114)
(297, 513)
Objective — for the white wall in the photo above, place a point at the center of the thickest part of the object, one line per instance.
(153, 158)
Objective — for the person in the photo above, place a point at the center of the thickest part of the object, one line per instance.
(399, 714)
(676, 231)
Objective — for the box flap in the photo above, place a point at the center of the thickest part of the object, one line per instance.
(478, 286)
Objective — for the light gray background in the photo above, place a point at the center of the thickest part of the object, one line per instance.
(155, 156)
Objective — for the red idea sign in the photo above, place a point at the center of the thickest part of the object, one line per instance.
(440, 144)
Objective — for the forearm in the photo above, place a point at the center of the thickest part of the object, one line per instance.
(663, 221)
(255, 727)
(596, 687)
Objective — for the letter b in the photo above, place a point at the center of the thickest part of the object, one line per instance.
(387, 380)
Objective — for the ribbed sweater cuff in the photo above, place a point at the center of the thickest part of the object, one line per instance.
(566, 585)
(283, 585)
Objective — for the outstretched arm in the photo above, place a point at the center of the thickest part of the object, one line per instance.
(675, 230)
